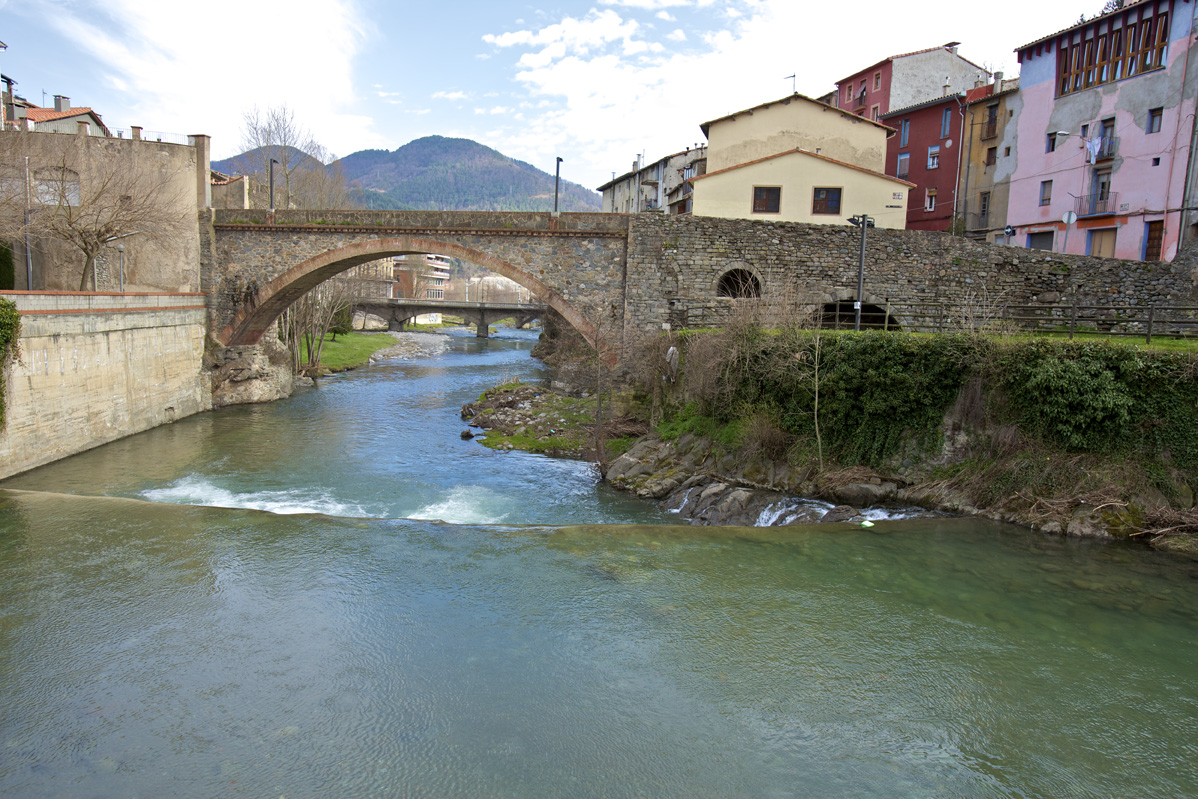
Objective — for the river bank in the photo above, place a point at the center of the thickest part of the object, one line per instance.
(706, 482)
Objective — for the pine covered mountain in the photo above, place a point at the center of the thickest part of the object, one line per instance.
(443, 174)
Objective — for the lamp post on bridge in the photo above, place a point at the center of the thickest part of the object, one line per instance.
(557, 180)
(272, 184)
(864, 222)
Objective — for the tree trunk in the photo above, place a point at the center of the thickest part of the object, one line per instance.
(89, 273)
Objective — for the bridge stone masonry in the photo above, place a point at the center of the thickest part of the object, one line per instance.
(611, 275)
(255, 264)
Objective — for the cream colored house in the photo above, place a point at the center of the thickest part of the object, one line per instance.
(799, 160)
(795, 122)
(802, 186)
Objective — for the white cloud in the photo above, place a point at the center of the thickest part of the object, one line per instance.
(678, 35)
(647, 5)
(449, 95)
(172, 79)
(665, 15)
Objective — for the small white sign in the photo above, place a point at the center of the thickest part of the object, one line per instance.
(857, 306)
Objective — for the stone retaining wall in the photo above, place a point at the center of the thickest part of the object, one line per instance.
(675, 263)
(97, 367)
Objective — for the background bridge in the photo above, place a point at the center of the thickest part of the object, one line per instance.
(399, 310)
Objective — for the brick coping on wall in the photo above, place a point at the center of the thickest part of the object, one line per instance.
(104, 293)
(423, 231)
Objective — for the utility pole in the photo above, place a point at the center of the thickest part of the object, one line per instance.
(28, 251)
(864, 222)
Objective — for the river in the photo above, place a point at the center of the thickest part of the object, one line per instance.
(335, 595)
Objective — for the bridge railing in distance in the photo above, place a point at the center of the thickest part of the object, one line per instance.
(1063, 319)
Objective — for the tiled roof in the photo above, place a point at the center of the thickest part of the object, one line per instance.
(905, 55)
(49, 114)
(820, 156)
(706, 125)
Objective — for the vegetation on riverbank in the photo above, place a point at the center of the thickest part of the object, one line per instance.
(348, 350)
(10, 333)
(1085, 437)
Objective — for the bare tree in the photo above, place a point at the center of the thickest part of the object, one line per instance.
(304, 325)
(71, 189)
(306, 173)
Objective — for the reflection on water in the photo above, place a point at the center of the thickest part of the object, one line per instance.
(151, 649)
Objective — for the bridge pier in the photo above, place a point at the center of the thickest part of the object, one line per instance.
(481, 328)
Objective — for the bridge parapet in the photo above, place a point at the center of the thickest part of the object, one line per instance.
(515, 222)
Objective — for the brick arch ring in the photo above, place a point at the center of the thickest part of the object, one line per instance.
(251, 322)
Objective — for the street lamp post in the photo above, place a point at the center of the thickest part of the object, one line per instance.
(120, 248)
(864, 222)
(272, 184)
(557, 180)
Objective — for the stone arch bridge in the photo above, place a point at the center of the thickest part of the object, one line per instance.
(609, 274)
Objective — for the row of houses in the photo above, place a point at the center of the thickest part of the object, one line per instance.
(1089, 151)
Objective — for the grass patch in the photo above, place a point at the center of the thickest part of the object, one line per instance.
(350, 350)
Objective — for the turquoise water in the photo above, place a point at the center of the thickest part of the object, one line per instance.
(532, 634)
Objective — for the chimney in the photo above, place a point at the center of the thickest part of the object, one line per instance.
(952, 47)
(947, 85)
(62, 103)
(998, 81)
(979, 83)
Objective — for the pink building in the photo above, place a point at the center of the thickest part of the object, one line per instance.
(1105, 129)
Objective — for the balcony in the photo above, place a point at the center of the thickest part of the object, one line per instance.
(1108, 148)
(1098, 204)
(989, 130)
(859, 100)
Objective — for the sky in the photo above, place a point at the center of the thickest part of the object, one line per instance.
(595, 83)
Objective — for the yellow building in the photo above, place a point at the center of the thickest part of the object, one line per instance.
(795, 122)
(799, 160)
(799, 186)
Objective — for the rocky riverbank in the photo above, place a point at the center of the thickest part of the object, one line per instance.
(707, 485)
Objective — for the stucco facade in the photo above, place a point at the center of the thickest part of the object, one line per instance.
(907, 79)
(989, 158)
(1106, 132)
(809, 188)
(655, 187)
(794, 122)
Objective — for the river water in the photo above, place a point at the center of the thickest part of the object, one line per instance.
(335, 595)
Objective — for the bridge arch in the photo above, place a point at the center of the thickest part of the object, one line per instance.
(260, 311)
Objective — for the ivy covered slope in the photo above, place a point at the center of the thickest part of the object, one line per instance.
(10, 332)
(442, 174)
(1082, 437)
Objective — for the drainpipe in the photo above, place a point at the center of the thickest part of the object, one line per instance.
(968, 164)
(1185, 188)
(960, 150)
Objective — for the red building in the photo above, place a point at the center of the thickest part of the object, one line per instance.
(904, 80)
(927, 151)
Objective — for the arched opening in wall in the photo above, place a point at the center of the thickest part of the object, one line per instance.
(843, 316)
(739, 284)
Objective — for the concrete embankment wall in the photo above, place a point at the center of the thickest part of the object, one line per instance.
(96, 367)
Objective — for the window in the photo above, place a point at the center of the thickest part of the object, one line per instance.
(1046, 192)
(946, 121)
(984, 211)
(875, 112)
(929, 200)
(904, 165)
(1085, 134)
(848, 93)
(1006, 151)
(1051, 146)
(1154, 119)
(991, 156)
(1105, 57)
(904, 132)
(1040, 241)
(826, 201)
(877, 81)
(934, 156)
(767, 199)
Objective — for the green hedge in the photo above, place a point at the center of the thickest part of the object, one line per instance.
(879, 390)
(10, 332)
